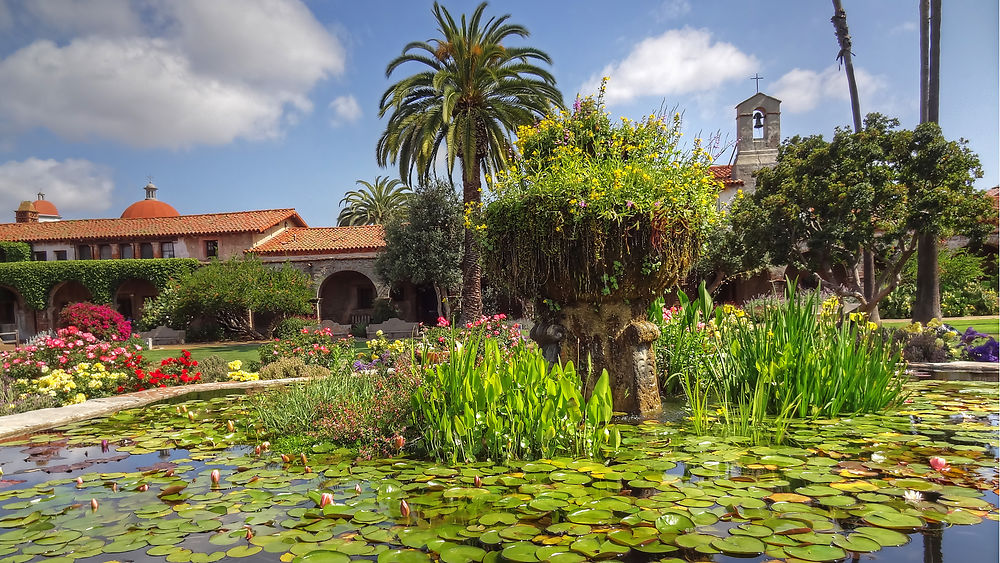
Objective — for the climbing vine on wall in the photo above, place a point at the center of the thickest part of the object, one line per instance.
(14, 251)
(35, 280)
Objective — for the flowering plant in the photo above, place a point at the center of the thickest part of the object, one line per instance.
(590, 204)
(443, 336)
(980, 347)
(75, 384)
(70, 346)
(380, 355)
(236, 372)
(171, 372)
(314, 347)
(100, 320)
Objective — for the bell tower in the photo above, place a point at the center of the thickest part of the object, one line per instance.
(758, 130)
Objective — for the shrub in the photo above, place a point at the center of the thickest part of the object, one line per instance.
(364, 411)
(313, 347)
(76, 384)
(292, 326)
(380, 354)
(980, 347)
(286, 368)
(359, 330)
(934, 342)
(100, 320)
(237, 373)
(478, 405)
(384, 310)
(174, 371)
(70, 346)
(14, 401)
(213, 368)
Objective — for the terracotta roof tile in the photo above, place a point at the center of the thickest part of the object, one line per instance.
(725, 173)
(314, 240)
(95, 229)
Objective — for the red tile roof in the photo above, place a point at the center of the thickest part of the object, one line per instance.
(150, 227)
(994, 194)
(725, 173)
(317, 240)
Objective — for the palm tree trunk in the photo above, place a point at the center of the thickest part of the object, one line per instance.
(472, 269)
(927, 301)
(844, 40)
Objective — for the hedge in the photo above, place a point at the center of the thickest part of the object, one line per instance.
(15, 251)
(35, 280)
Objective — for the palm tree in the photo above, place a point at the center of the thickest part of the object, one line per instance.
(472, 93)
(374, 204)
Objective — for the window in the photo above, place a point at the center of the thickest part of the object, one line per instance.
(146, 250)
(83, 252)
(167, 249)
(105, 251)
(41, 256)
(126, 251)
(211, 248)
(60, 255)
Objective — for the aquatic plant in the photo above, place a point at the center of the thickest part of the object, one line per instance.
(482, 404)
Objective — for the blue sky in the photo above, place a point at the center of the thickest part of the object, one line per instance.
(252, 104)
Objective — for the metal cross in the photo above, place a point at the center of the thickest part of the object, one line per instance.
(757, 80)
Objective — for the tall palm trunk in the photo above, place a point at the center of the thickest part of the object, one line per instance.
(927, 302)
(844, 40)
(472, 269)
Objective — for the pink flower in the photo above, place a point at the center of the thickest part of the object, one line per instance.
(442, 322)
(325, 499)
(939, 464)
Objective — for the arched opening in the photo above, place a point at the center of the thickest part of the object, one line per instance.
(64, 294)
(759, 117)
(347, 298)
(131, 297)
(13, 321)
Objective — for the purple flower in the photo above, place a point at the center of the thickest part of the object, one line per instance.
(576, 105)
(630, 204)
(583, 203)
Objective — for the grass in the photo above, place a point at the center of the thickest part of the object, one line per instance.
(986, 325)
(229, 351)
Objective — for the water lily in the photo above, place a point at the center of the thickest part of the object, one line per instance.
(266, 446)
(877, 457)
(398, 441)
(325, 499)
(230, 426)
(285, 458)
(143, 488)
(404, 508)
(302, 456)
(912, 496)
(357, 488)
(93, 504)
(939, 464)
(478, 481)
(79, 481)
(215, 476)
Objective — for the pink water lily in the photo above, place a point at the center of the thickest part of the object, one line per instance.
(939, 464)
(325, 499)
(215, 476)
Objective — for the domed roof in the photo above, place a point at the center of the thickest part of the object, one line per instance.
(44, 207)
(149, 207)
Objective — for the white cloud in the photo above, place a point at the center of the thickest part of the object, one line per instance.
(84, 16)
(214, 72)
(801, 90)
(680, 61)
(672, 9)
(345, 110)
(905, 27)
(74, 185)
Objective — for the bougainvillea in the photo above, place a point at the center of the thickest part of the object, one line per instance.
(100, 320)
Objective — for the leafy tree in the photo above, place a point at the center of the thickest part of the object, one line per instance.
(232, 292)
(426, 246)
(823, 202)
(374, 204)
(939, 176)
(474, 90)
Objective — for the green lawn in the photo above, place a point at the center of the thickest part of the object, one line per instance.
(229, 351)
(988, 325)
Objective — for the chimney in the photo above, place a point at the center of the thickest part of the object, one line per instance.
(26, 213)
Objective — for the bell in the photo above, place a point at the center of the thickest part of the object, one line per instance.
(758, 120)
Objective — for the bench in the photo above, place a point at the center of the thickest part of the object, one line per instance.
(393, 329)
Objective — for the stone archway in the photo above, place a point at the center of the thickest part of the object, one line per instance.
(15, 323)
(131, 297)
(63, 294)
(347, 297)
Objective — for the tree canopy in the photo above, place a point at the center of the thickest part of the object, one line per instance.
(425, 246)
(823, 202)
(375, 203)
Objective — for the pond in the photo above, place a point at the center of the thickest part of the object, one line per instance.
(137, 486)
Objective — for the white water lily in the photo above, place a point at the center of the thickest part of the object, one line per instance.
(912, 496)
(877, 457)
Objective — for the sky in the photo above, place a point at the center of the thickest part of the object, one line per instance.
(235, 105)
